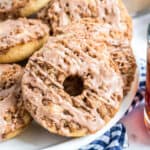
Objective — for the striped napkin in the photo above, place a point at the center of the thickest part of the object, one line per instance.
(116, 137)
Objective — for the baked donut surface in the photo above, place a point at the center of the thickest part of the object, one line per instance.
(96, 29)
(9, 8)
(60, 13)
(13, 117)
(125, 59)
(20, 8)
(71, 86)
(118, 46)
(20, 38)
(32, 7)
(9, 5)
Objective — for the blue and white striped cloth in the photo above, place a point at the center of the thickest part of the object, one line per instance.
(116, 137)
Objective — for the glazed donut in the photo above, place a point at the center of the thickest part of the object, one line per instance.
(124, 58)
(95, 29)
(60, 13)
(20, 38)
(20, 8)
(118, 46)
(71, 86)
(13, 117)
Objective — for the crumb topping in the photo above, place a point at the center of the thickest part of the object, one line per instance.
(21, 31)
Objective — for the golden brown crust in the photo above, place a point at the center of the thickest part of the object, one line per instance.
(32, 7)
(20, 38)
(48, 94)
(20, 31)
(11, 134)
(22, 51)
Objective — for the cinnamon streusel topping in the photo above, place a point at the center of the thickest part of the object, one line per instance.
(51, 95)
(21, 31)
(118, 46)
(11, 5)
(60, 13)
(12, 111)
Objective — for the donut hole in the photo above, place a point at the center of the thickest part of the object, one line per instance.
(73, 85)
(1, 98)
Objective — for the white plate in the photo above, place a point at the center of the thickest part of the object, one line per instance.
(37, 138)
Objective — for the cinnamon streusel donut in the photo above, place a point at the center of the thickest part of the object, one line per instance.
(20, 38)
(124, 58)
(118, 46)
(71, 86)
(13, 117)
(20, 8)
(60, 13)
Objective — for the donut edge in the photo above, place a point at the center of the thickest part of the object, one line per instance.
(32, 7)
(27, 119)
(22, 51)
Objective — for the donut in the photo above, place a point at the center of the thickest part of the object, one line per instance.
(125, 59)
(20, 8)
(9, 8)
(95, 29)
(71, 86)
(60, 13)
(118, 46)
(32, 7)
(20, 38)
(13, 116)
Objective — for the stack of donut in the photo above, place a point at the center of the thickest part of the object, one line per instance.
(67, 64)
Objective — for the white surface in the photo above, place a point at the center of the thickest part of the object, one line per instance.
(139, 139)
